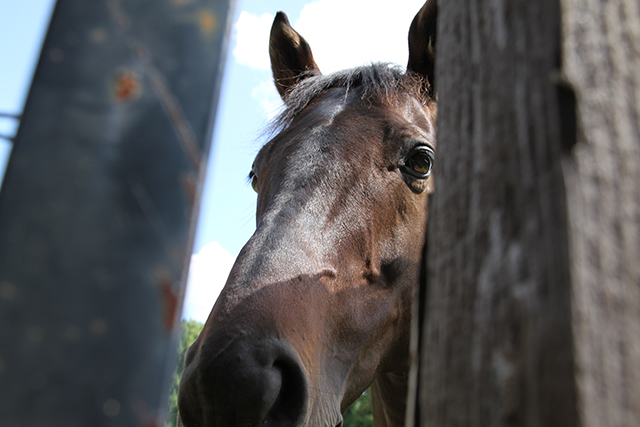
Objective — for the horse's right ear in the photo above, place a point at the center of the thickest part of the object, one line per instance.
(291, 57)
(422, 44)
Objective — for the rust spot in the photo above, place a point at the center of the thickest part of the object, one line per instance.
(111, 408)
(8, 290)
(34, 335)
(56, 55)
(98, 35)
(207, 21)
(140, 51)
(127, 86)
(190, 186)
(169, 299)
(117, 13)
(99, 327)
(145, 417)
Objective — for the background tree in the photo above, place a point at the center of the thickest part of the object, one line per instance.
(189, 331)
(359, 414)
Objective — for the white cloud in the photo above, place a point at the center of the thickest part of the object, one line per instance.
(207, 275)
(252, 40)
(358, 35)
(267, 95)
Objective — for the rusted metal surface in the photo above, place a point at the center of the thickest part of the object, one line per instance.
(127, 86)
(97, 209)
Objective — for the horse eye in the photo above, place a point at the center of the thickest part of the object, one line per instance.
(419, 162)
(254, 181)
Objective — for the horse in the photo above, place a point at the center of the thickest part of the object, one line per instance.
(318, 304)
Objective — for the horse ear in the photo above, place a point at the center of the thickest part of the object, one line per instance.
(291, 57)
(422, 44)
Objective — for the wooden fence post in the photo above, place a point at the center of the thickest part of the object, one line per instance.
(532, 291)
(601, 61)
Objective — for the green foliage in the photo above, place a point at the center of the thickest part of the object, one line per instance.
(189, 331)
(359, 414)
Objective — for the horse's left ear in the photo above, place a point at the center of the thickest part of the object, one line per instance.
(422, 44)
(291, 57)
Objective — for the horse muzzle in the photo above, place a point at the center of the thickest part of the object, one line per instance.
(246, 383)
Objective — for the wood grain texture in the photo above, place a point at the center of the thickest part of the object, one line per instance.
(601, 61)
(497, 346)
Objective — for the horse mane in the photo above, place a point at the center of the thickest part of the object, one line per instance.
(381, 80)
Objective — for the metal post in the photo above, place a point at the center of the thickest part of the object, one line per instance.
(98, 208)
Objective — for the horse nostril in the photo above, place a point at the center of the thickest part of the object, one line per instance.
(290, 407)
(248, 384)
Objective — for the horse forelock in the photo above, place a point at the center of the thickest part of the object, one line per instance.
(384, 81)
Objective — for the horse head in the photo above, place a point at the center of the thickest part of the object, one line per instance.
(317, 306)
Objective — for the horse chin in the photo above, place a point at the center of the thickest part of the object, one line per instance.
(324, 412)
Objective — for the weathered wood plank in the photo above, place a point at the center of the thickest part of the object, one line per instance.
(601, 61)
(498, 347)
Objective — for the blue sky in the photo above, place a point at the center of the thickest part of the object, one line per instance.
(357, 35)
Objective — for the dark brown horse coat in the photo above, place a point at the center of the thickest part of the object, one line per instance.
(318, 304)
